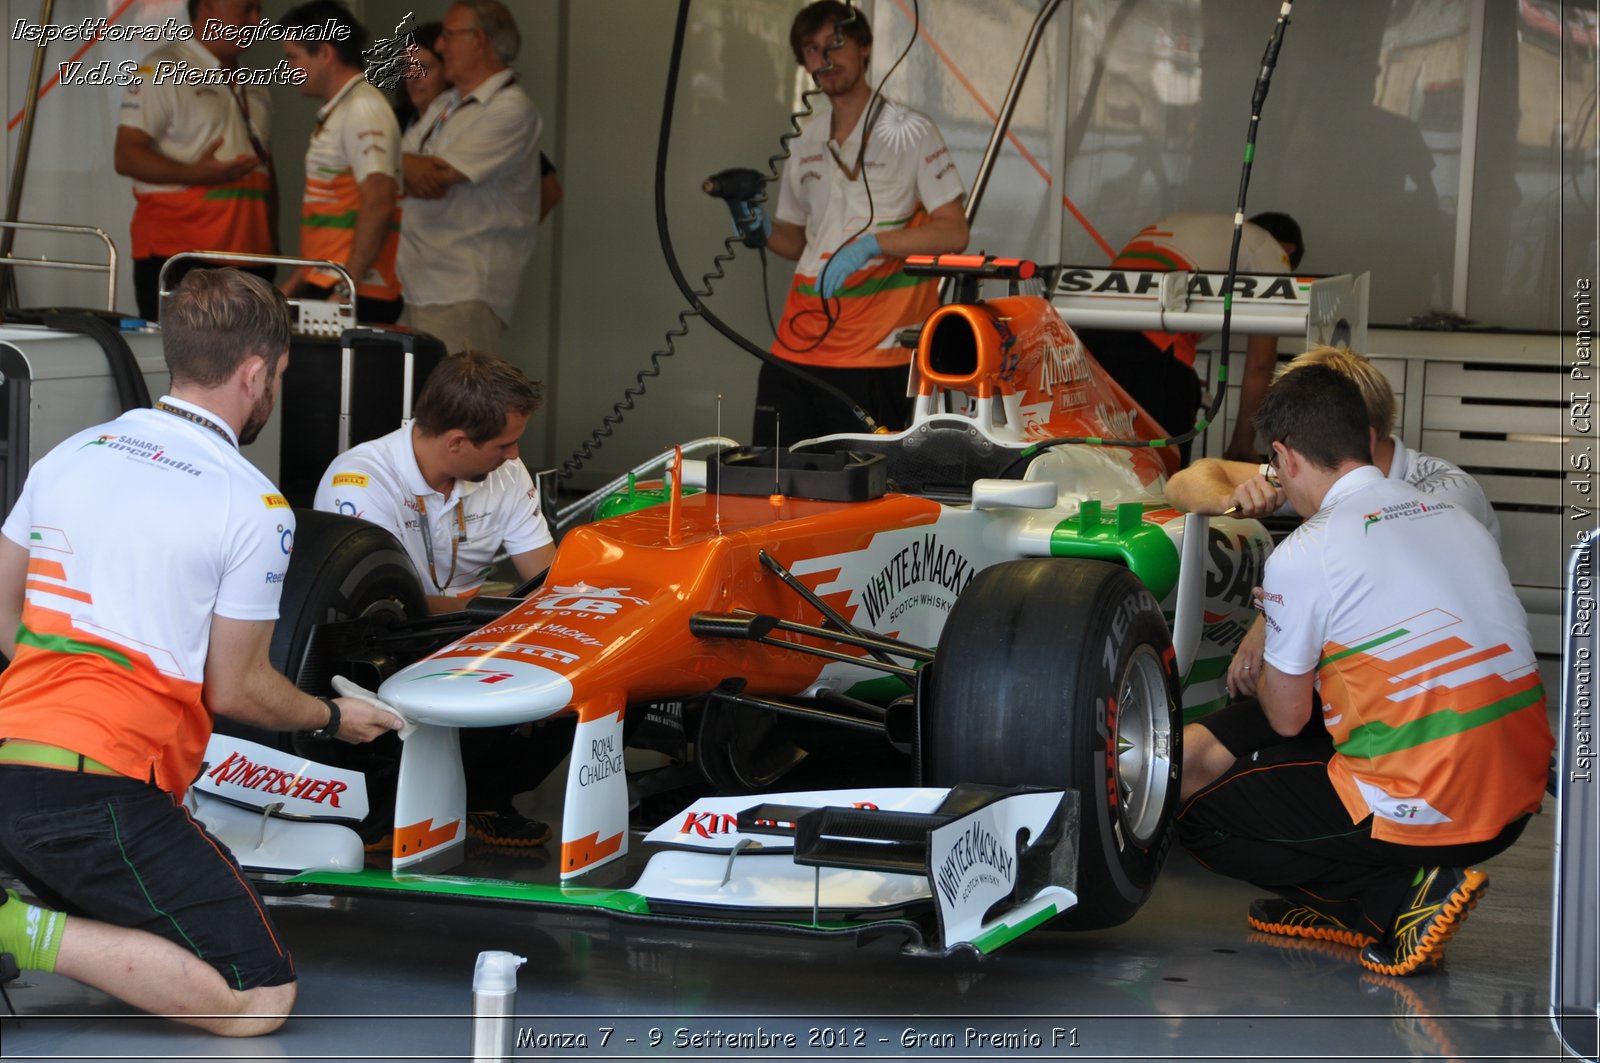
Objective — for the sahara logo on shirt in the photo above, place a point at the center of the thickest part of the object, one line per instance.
(1403, 511)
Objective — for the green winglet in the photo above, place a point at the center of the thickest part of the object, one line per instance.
(1144, 548)
(1005, 933)
(476, 889)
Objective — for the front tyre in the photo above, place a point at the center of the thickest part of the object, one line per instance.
(1060, 673)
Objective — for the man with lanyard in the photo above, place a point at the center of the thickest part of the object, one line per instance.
(1433, 748)
(1157, 368)
(202, 175)
(471, 171)
(351, 213)
(865, 186)
(139, 580)
(452, 489)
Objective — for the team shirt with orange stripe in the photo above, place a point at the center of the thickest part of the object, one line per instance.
(1430, 690)
(184, 120)
(1194, 241)
(138, 532)
(907, 172)
(356, 136)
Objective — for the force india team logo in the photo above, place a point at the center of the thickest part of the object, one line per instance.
(1402, 511)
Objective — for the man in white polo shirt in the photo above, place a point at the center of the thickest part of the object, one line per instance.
(471, 166)
(140, 572)
(452, 489)
(202, 175)
(867, 183)
(350, 214)
(1392, 609)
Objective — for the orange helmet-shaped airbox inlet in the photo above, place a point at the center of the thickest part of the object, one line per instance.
(960, 350)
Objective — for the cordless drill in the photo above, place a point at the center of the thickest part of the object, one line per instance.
(741, 189)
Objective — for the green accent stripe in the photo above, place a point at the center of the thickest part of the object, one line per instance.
(894, 223)
(347, 220)
(887, 283)
(116, 832)
(1207, 668)
(64, 644)
(483, 888)
(237, 193)
(1364, 647)
(1191, 713)
(1375, 739)
(1148, 259)
(1006, 933)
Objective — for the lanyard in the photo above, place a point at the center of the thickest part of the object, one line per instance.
(455, 541)
(237, 92)
(861, 149)
(333, 105)
(443, 117)
(203, 422)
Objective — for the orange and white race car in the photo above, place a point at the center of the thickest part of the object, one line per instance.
(996, 632)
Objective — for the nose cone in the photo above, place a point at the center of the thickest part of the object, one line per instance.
(482, 692)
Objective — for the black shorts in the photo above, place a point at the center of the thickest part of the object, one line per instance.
(127, 853)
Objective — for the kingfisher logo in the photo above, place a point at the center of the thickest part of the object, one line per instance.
(478, 674)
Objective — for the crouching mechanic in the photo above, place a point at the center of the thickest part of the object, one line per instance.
(122, 646)
(452, 489)
(1248, 489)
(1434, 749)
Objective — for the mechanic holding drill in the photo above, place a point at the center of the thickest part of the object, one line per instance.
(1434, 745)
(139, 579)
(863, 188)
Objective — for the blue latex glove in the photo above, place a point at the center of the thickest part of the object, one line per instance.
(850, 257)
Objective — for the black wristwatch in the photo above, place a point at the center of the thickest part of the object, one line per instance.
(331, 730)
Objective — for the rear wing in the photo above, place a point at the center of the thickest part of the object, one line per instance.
(1325, 310)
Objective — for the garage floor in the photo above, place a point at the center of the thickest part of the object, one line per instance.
(1186, 979)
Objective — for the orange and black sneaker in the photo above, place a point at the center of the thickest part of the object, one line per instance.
(508, 830)
(1439, 901)
(1272, 915)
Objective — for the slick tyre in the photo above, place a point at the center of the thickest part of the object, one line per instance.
(340, 568)
(1059, 673)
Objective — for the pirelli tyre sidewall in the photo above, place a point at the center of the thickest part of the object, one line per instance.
(1059, 672)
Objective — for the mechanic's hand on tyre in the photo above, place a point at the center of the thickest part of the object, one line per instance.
(366, 716)
(845, 261)
(1257, 497)
(1244, 671)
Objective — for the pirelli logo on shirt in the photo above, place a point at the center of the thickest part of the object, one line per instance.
(350, 479)
(275, 501)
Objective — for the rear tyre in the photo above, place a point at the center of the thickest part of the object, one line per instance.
(1060, 673)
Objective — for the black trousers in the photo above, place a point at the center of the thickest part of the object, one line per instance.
(1274, 820)
(147, 280)
(1168, 390)
(808, 412)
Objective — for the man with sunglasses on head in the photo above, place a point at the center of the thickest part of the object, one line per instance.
(471, 175)
(868, 182)
(1391, 610)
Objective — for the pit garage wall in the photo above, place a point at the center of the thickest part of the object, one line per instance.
(1446, 145)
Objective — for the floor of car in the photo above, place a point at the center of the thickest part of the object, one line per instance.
(391, 977)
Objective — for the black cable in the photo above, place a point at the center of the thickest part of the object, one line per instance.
(696, 307)
(1258, 99)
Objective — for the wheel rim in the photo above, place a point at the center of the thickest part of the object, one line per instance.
(1144, 744)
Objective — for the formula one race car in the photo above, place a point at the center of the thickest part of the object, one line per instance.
(995, 633)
